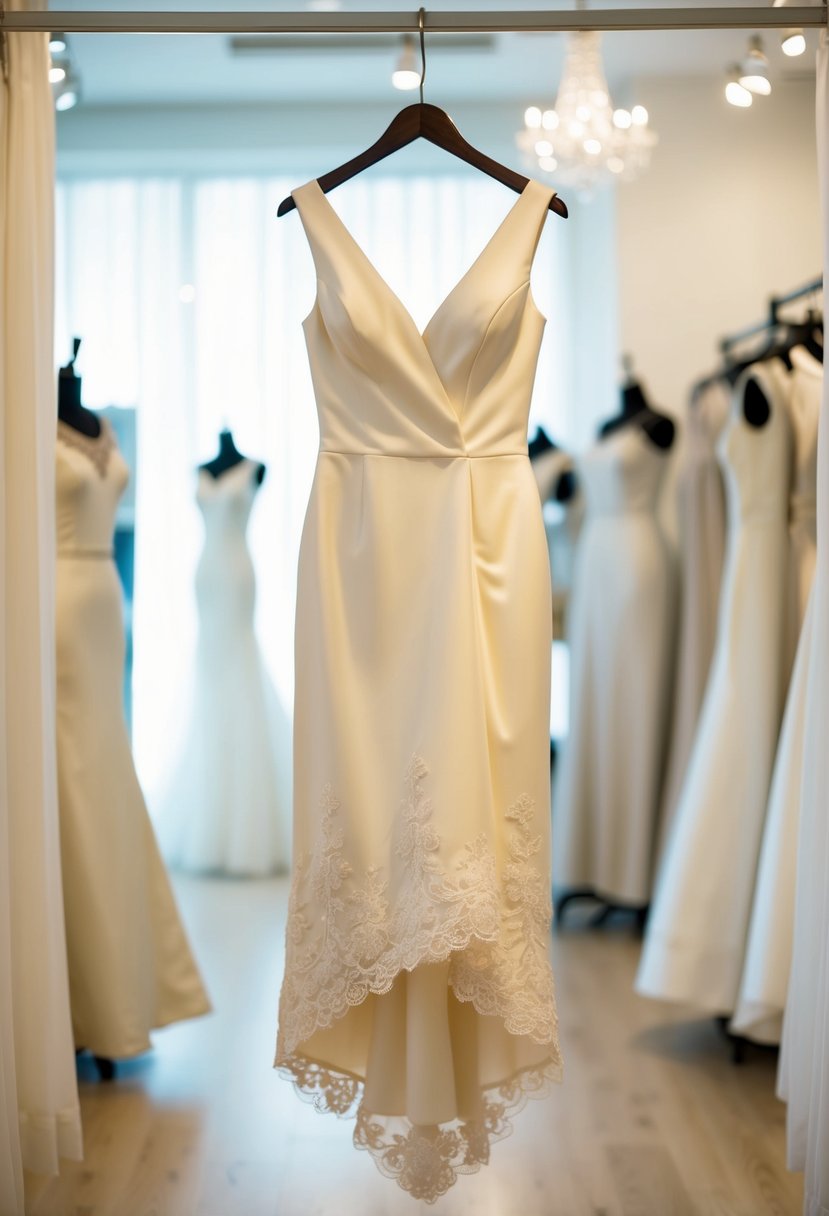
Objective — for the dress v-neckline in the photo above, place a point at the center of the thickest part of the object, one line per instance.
(391, 293)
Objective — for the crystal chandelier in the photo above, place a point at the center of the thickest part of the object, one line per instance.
(584, 141)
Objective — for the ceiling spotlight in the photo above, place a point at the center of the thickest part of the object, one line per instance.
(754, 73)
(735, 91)
(406, 75)
(56, 73)
(57, 44)
(793, 42)
(68, 93)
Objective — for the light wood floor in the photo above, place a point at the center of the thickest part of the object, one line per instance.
(652, 1119)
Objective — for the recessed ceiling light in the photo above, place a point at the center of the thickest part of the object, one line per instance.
(57, 44)
(68, 93)
(736, 94)
(406, 75)
(793, 42)
(754, 74)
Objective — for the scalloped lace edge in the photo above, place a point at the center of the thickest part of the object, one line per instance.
(424, 1160)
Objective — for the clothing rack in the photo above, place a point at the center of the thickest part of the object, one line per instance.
(773, 316)
(230, 21)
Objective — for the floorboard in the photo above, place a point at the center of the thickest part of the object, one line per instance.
(653, 1118)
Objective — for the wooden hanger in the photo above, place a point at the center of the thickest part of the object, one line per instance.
(423, 121)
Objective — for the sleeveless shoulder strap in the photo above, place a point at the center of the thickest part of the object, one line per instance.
(538, 204)
(316, 215)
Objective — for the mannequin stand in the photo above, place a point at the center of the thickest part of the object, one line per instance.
(603, 914)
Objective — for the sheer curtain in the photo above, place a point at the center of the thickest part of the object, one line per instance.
(189, 295)
(804, 1066)
(39, 1113)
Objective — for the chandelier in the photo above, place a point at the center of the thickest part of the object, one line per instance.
(584, 141)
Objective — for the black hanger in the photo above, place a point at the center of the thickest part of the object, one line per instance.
(422, 121)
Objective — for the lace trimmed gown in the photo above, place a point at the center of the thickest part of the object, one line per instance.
(418, 992)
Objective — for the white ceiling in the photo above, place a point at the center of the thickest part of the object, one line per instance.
(128, 69)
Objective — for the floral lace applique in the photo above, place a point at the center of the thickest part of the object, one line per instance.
(346, 937)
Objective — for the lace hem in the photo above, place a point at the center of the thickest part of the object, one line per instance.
(346, 939)
(424, 1159)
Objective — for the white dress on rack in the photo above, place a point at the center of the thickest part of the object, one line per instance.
(621, 625)
(130, 967)
(418, 991)
(226, 804)
(759, 1013)
(701, 512)
(696, 934)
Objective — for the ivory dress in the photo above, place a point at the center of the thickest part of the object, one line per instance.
(418, 991)
(759, 1013)
(621, 620)
(130, 967)
(701, 511)
(696, 935)
(225, 808)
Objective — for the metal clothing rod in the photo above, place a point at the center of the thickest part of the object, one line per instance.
(808, 289)
(773, 319)
(229, 21)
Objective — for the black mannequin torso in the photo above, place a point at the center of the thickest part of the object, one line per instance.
(540, 443)
(70, 410)
(756, 409)
(635, 411)
(228, 457)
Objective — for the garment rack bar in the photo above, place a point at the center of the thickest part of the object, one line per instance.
(808, 289)
(229, 21)
(772, 319)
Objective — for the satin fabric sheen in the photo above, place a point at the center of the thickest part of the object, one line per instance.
(696, 936)
(759, 1013)
(701, 510)
(418, 992)
(130, 967)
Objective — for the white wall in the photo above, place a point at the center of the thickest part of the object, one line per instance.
(726, 217)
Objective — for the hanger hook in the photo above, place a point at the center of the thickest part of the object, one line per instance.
(421, 14)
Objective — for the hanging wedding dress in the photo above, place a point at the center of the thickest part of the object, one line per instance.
(701, 513)
(759, 1013)
(696, 935)
(225, 807)
(130, 967)
(621, 618)
(418, 991)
